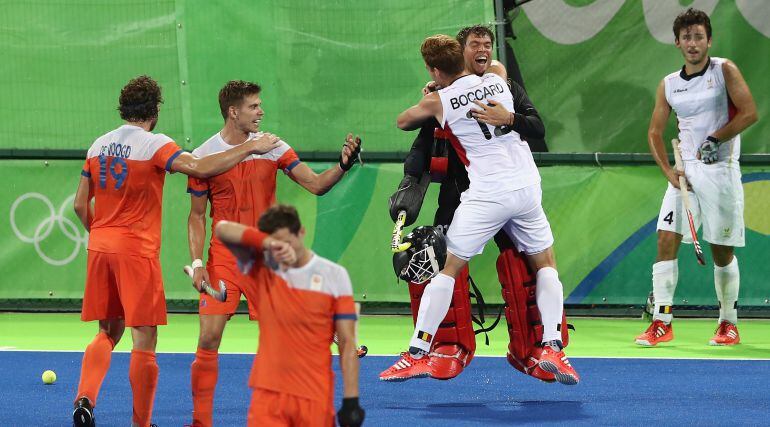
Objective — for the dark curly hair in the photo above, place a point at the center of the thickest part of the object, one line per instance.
(233, 93)
(139, 99)
(478, 30)
(280, 216)
(689, 18)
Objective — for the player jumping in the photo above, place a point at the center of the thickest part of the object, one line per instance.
(504, 193)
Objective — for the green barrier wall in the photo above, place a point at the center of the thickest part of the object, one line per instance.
(326, 67)
(602, 218)
(592, 67)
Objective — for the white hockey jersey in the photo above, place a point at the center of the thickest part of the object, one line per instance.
(495, 164)
(702, 106)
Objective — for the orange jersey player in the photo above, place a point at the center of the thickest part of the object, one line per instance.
(241, 194)
(303, 299)
(124, 174)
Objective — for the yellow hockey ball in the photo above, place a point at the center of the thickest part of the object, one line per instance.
(49, 377)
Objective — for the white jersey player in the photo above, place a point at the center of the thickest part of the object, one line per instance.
(504, 193)
(713, 105)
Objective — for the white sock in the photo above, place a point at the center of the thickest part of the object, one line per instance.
(433, 308)
(727, 282)
(664, 277)
(550, 302)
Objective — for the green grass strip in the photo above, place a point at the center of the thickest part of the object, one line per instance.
(593, 337)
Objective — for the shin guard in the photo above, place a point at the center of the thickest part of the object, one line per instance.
(525, 329)
(454, 343)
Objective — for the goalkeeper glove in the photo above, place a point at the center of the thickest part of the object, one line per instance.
(350, 414)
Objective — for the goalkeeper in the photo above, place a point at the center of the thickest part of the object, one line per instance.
(454, 344)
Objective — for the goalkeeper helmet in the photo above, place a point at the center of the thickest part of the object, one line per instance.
(424, 258)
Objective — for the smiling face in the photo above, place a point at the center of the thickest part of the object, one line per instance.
(248, 115)
(694, 43)
(477, 53)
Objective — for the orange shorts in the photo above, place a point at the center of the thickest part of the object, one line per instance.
(237, 284)
(274, 409)
(120, 286)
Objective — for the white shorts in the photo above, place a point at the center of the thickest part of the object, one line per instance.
(520, 213)
(716, 200)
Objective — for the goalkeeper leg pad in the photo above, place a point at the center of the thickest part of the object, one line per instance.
(525, 329)
(454, 343)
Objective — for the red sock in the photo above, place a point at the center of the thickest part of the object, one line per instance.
(204, 373)
(96, 363)
(143, 375)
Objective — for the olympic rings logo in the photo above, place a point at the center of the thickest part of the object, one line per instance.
(68, 227)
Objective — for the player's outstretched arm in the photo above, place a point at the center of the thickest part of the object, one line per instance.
(413, 117)
(82, 202)
(658, 121)
(218, 163)
(350, 414)
(320, 184)
(740, 95)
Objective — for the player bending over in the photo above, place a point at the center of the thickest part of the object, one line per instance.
(713, 105)
(302, 300)
(124, 174)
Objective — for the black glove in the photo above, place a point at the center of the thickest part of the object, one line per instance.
(355, 156)
(350, 414)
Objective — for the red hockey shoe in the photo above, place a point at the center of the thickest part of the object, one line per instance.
(407, 367)
(531, 365)
(726, 334)
(656, 333)
(447, 361)
(556, 362)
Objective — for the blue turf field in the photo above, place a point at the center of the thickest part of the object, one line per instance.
(490, 393)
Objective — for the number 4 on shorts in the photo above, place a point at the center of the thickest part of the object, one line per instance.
(669, 218)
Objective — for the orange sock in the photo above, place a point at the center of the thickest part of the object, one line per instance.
(204, 373)
(96, 363)
(143, 375)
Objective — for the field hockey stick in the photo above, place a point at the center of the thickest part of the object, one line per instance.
(686, 203)
(395, 244)
(219, 295)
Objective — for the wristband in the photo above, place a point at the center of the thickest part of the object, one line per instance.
(712, 139)
(197, 263)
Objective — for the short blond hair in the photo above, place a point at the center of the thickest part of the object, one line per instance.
(443, 52)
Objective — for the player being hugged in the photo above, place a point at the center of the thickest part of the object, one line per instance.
(123, 175)
(241, 194)
(504, 193)
(713, 105)
(302, 300)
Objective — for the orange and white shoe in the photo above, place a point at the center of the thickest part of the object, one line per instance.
(657, 332)
(726, 334)
(407, 367)
(555, 361)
